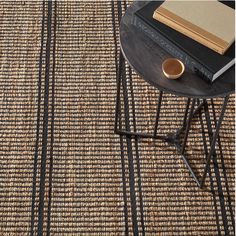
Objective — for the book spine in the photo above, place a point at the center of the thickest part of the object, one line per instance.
(174, 50)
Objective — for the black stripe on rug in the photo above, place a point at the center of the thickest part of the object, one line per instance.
(45, 123)
(118, 70)
(47, 86)
(38, 124)
(139, 178)
(52, 122)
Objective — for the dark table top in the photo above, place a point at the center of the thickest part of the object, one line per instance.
(146, 58)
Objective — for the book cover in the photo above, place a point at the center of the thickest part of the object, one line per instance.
(203, 21)
(200, 59)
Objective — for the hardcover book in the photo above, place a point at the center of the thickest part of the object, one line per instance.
(200, 59)
(203, 21)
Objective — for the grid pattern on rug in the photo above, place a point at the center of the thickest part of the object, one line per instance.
(63, 170)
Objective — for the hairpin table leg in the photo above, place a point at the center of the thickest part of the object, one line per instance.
(214, 136)
(188, 126)
(158, 113)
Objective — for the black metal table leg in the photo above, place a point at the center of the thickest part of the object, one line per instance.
(214, 136)
(196, 111)
(186, 125)
(186, 113)
(158, 113)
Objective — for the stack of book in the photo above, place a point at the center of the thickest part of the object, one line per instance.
(199, 33)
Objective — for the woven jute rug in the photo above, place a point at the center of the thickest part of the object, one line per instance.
(63, 170)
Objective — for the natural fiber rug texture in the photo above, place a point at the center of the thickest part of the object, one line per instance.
(63, 170)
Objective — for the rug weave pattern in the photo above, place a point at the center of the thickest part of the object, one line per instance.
(63, 170)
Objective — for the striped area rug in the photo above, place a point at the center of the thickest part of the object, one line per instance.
(63, 170)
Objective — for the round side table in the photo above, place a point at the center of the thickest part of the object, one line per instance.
(146, 58)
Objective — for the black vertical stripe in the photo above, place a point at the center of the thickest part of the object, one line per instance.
(137, 154)
(45, 123)
(117, 108)
(38, 125)
(118, 75)
(114, 33)
(119, 8)
(52, 124)
(221, 195)
(122, 149)
(125, 5)
(139, 186)
(124, 185)
(128, 139)
(130, 154)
